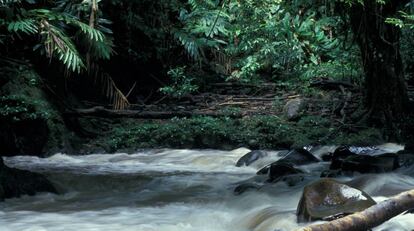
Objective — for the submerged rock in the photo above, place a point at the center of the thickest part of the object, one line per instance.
(15, 182)
(327, 199)
(250, 157)
(245, 187)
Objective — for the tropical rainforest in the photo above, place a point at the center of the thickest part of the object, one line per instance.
(88, 85)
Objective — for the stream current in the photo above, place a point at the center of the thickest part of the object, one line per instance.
(171, 190)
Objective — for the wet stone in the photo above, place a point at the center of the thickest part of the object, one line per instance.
(369, 164)
(300, 157)
(250, 157)
(327, 199)
(280, 169)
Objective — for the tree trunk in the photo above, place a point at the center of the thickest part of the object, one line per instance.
(386, 94)
(369, 218)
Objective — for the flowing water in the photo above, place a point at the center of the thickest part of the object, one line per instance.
(169, 190)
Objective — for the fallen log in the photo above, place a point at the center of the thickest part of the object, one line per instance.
(110, 113)
(327, 84)
(369, 218)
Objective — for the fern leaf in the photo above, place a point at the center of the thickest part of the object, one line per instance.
(27, 26)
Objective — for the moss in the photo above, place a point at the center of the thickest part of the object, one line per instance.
(264, 132)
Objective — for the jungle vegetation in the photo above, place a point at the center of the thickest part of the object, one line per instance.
(126, 54)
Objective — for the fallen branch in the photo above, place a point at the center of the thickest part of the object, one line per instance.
(109, 113)
(332, 84)
(369, 218)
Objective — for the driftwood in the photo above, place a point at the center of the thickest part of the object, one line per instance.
(369, 218)
(109, 113)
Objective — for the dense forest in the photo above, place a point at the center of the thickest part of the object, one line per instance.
(328, 84)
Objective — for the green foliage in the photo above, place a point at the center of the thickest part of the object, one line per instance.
(275, 39)
(18, 108)
(253, 37)
(204, 26)
(181, 83)
(265, 132)
(20, 98)
(59, 31)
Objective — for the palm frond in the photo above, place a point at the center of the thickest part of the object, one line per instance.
(27, 26)
(58, 45)
(92, 33)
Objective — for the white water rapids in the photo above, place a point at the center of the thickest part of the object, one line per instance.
(169, 190)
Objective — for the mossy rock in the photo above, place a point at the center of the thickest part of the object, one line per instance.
(327, 199)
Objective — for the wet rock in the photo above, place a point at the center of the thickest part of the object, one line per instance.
(245, 187)
(294, 108)
(409, 147)
(250, 157)
(327, 157)
(271, 174)
(280, 169)
(299, 157)
(15, 183)
(292, 180)
(366, 164)
(339, 155)
(255, 183)
(405, 159)
(368, 159)
(331, 173)
(264, 170)
(371, 164)
(323, 152)
(326, 199)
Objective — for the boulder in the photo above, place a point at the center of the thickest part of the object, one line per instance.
(273, 173)
(15, 182)
(339, 155)
(280, 169)
(359, 160)
(294, 108)
(371, 164)
(323, 152)
(250, 157)
(363, 159)
(300, 156)
(327, 199)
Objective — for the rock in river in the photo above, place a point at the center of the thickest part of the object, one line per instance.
(15, 182)
(363, 160)
(327, 199)
(250, 157)
(300, 156)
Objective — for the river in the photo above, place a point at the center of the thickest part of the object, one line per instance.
(169, 190)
